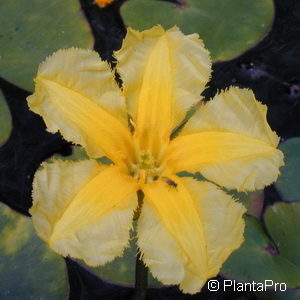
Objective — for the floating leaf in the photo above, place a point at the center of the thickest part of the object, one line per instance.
(288, 181)
(258, 259)
(78, 153)
(30, 31)
(5, 120)
(228, 27)
(279, 295)
(253, 201)
(122, 269)
(283, 223)
(28, 268)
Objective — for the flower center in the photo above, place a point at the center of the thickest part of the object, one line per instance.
(146, 169)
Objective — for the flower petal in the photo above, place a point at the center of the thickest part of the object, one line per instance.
(76, 94)
(230, 142)
(163, 74)
(186, 233)
(103, 3)
(83, 209)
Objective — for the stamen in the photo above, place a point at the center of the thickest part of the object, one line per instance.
(145, 170)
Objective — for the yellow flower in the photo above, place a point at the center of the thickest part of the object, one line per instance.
(187, 228)
(103, 3)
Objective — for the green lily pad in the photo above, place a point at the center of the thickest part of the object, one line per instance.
(28, 268)
(253, 201)
(279, 295)
(32, 30)
(288, 181)
(122, 269)
(5, 120)
(283, 223)
(258, 258)
(228, 27)
(78, 153)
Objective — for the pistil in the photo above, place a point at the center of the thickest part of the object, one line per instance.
(145, 170)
